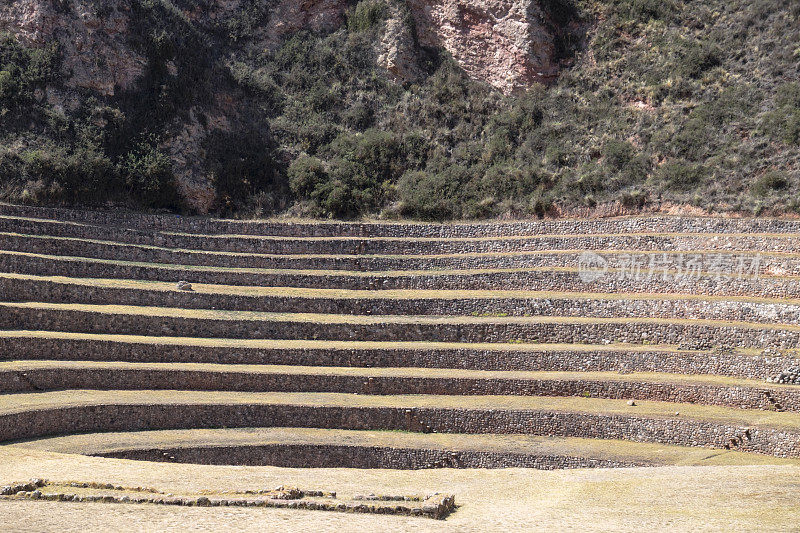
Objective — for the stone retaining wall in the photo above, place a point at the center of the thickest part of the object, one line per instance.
(23, 290)
(618, 360)
(670, 224)
(140, 254)
(404, 245)
(694, 334)
(544, 280)
(28, 424)
(745, 397)
(333, 456)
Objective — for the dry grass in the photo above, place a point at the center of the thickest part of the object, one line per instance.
(12, 403)
(290, 344)
(394, 294)
(762, 498)
(423, 239)
(420, 373)
(217, 253)
(373, 274)
(612, 450)
(318, 318)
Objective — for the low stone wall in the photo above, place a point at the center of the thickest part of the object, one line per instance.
(365, 263)
(24, 290)
(695, 334)
(437, 506)
(333, 456)
(672, 224)
(535, 280)
(745, 397)
(618, 360)
(27, 424)
(405, 245)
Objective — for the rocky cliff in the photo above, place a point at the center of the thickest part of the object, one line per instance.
(506, 43)
(413, 108)
(509, 44)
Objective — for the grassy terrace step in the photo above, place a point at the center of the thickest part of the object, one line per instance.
(337, 245)
(602, 450)
(554, 279)
(96, 291)
(33, 415)
(295, 228)
(37, 376)
(53, 345)
(75, 247)
(132, 320)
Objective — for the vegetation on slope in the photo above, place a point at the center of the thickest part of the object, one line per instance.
(666, 101)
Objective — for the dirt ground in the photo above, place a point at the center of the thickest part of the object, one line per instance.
(742, 498)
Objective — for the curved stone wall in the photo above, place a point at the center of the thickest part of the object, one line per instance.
(680, 431)
(402, 244)
(768, 262)
(670, 224)
(693, 333)
(331, 456)
(740, 396)
(44, 290)
(534, 280)
(616, 360)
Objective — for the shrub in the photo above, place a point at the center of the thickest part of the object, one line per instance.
(681, 174)
(305, 174)
(691, 142)
(646, 10)
(250, 15)
(699, 58)
(338, 199)
(23, 70)
(788, 95)
(618, 153)
(242, 166)
(428, 196)
(633, 199)
(365, 15)
(769, 182)
(148, 174)
(783, 123)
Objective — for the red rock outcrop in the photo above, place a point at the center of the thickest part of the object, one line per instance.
(506, 43)
(92, 39)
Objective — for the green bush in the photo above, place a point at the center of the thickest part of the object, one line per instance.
(681, 175)
(250, 16)
(305, 175)
(365, 15)
(646, 10)
(23, 70)
(698, 58)
(692, 141)
(788, 95)
(148, 175)
(618, 153)
(634, 199)
(427, 196)
(783, 123)
(770, 182)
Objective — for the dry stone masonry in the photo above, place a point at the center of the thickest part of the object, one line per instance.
(371, 326)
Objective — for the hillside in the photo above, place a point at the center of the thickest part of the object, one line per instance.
(429, 109)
